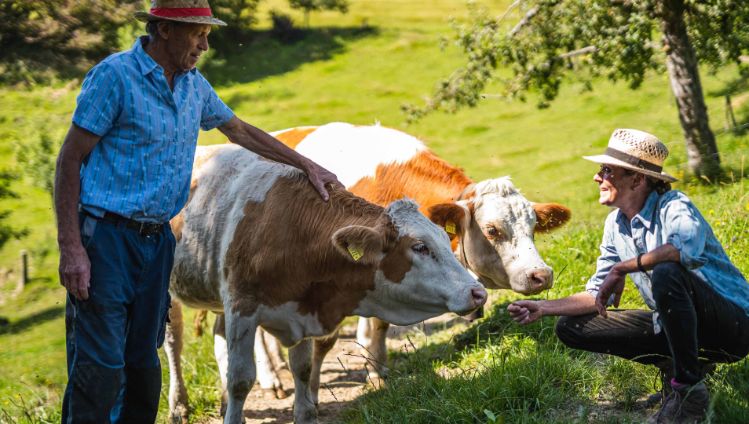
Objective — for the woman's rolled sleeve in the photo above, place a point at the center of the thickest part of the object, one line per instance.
(684, 230)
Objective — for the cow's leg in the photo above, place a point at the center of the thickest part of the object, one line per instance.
(300, 357)
(364, 333)
(275, 354)
(178, 403)
(377, 349)
(321, 348)
(200, 319)
(221, 353)
(266, 373)
(240, 376)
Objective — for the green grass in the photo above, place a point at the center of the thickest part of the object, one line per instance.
(361, 68)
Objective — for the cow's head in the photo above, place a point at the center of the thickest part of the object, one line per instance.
(495, 226)
(417, 276)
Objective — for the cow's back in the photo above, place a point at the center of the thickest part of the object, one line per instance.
(225, 178)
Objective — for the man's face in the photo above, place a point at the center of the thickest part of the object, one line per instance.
(612, 185)
(186, 43)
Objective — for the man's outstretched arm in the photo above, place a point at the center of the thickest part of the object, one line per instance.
(262, 143)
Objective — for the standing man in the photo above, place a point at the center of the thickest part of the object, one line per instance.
(123, 171)
(699, 300)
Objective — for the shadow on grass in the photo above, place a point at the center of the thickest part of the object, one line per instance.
(37, 318)
(245, 56)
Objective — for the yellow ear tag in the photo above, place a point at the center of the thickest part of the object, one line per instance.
(450, 227)
(355, 253)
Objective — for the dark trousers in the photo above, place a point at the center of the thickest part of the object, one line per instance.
(114, 372)
(698, 326)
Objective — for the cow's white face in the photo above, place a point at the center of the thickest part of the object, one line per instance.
(496, 238)
(420, 277)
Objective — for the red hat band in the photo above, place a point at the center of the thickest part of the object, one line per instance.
(180, 12)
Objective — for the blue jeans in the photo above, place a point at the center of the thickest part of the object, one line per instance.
(112, 337)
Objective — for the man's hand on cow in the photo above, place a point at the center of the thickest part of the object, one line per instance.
(320, 178)
(525, 311)
(612, 284)
(75, 271)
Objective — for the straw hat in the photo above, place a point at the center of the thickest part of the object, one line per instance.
(190, 11)
(635, 150)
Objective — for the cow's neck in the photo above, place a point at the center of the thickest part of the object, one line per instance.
(424, 178)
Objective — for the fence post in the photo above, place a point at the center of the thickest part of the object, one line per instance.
(730, 118)
(23, 277)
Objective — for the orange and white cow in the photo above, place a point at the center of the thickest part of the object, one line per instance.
(491, 224)
(257, 244)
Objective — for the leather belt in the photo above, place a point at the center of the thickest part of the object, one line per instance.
(143, 228)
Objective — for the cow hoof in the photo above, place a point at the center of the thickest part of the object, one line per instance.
(179, 416)
(280, 393)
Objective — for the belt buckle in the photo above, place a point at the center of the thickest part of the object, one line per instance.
(147, 229)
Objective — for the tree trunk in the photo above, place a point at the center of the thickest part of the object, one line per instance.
(681, 61)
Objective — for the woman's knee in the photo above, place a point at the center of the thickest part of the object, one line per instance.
(667, 277)
(566, 331)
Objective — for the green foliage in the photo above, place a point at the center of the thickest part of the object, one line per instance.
(7, 231)
(238, 14)
(550, 41)
(36, 41)
(316, 5)
(37, 160)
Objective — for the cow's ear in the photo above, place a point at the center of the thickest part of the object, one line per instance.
(449, 216)
(550, 216)
(359, 244)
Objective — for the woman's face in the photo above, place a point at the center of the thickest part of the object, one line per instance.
(613, 185)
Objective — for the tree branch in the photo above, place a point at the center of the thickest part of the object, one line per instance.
(523, 22)
(578, 52)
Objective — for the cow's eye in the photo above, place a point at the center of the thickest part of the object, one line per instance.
(420, 248)
(493, 232)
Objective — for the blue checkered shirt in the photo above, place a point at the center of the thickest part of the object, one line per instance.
(141, 167)
(669, 218)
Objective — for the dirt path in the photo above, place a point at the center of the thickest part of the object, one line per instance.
(344, 377)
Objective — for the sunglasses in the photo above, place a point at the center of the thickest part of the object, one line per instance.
(605, 171)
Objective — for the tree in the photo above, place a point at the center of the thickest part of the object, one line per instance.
(50, 36)
(618, 39)
(238, 14)
(314, 5)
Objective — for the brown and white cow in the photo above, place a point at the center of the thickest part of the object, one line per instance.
(256, 243)
(491, 224)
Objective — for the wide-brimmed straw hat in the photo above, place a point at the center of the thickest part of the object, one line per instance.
(190, 11)
(635, 150)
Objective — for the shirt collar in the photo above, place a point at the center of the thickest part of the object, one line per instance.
(647, 213)
(146, 62)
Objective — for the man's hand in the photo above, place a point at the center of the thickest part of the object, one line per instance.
(75, 271)
(525, 311)
(320, 177)
(614, 283)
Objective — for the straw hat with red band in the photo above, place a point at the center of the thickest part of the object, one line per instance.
(190, 11)
(635, 150)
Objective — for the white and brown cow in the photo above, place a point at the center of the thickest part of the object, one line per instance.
(491, 224)
(256, 243)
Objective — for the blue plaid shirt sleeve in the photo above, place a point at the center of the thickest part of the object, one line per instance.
(606, 260)
(100, 100)
(684, 230)
(215, 111)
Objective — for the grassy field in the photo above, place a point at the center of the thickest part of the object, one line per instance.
(360, 68)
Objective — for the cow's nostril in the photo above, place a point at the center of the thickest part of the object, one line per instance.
(540, 277)
(479, 296)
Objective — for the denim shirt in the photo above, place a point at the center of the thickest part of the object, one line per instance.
(668, 218)
(141, 166)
